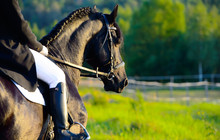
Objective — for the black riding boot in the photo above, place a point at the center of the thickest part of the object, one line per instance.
(58, 107)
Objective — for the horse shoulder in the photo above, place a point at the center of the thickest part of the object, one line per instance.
(18, 116)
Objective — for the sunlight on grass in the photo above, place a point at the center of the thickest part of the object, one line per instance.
(115, 117)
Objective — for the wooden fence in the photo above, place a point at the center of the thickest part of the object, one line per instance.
(201, 91)
(169, 91)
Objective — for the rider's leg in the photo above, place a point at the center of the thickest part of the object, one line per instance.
(55, 78)
(48, 71)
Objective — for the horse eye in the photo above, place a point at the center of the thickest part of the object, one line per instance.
(116, 40)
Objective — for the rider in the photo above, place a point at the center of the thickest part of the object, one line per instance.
(22, 58)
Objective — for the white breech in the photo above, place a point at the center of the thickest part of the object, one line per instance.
(47, 71)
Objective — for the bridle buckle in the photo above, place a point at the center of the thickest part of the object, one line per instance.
(110, 76)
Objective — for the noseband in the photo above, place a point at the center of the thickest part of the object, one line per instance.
(113, 67)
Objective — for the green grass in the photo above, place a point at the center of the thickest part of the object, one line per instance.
(115, 117)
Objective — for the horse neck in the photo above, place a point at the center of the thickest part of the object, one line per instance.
(71, 44)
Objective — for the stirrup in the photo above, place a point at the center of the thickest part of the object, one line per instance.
(85, 131)
(71, 122)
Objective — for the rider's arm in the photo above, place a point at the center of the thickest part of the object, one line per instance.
(21, 26)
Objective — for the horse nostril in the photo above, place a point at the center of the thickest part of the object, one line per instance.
(125, 82)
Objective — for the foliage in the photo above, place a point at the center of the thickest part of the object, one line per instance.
(173, 38)
(151, 37)
(125, 118)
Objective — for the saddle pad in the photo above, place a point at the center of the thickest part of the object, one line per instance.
(35, 96)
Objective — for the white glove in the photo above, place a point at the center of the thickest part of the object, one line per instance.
(44, 51)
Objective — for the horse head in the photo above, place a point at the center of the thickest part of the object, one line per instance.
(103, 53)
(93, 37)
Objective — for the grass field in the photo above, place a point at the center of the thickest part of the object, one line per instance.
(116, 117)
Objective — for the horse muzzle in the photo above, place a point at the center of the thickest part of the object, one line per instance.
(114, 85)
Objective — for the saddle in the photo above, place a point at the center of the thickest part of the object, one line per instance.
(39, 96)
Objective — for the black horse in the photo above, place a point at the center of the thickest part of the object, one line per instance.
(84, 35)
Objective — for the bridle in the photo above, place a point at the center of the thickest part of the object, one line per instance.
(109, 75)
(108, 37)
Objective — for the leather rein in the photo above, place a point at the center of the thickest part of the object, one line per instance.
(109, 75)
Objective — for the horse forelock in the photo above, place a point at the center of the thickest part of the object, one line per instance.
(56, 31)
(119, 34)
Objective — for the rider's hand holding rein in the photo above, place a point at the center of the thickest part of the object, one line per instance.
(44, 51)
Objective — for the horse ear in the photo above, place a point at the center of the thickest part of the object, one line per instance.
(94, 8)
(113, 15)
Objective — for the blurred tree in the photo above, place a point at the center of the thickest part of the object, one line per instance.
(153, 27)
(200, 37)
(125, 14)
(38, 32)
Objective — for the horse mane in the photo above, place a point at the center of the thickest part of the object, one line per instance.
(55, 32)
